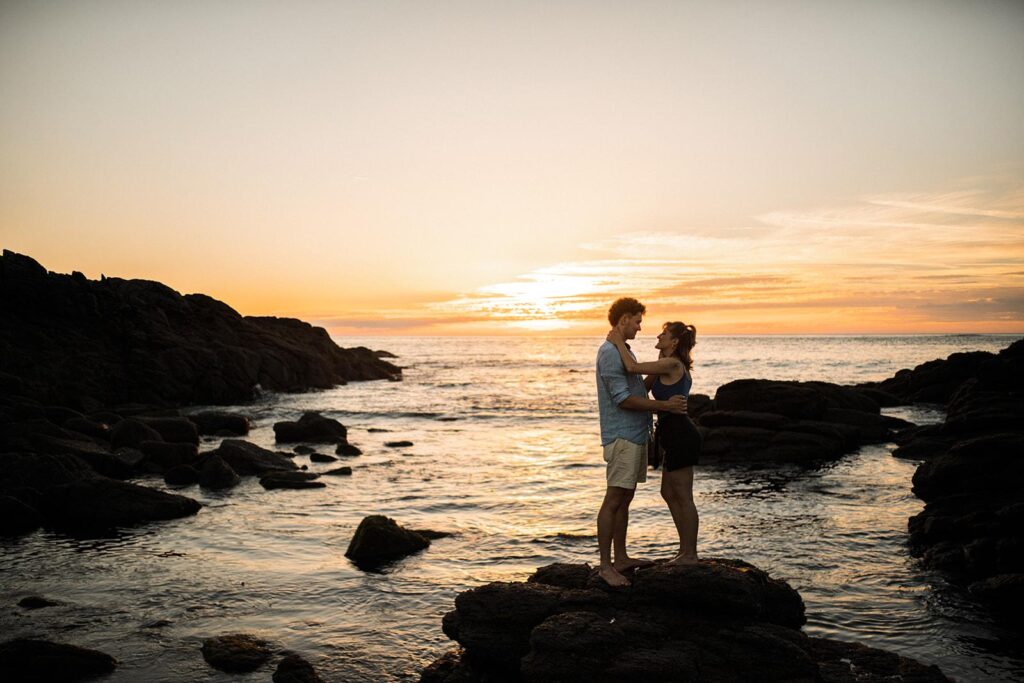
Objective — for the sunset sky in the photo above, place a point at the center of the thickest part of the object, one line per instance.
(507, 167)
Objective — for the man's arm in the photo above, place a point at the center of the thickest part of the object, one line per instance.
(676, 404)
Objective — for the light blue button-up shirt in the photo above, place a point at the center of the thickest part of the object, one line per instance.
(615, 385)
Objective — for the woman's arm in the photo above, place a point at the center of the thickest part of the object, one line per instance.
(649, 382)
(662, 366)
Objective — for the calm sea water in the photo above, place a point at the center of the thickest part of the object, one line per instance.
(506, 456)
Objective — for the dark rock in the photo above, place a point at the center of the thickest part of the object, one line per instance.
(218, 422)
(935, 381)
(36, 602)
(304, 450)
(698, 404)
(923, 448)
(1004, 592)
(217, 474)
(339, 471)
(181, 475)
(398, 444)
(132, 433)
(431, 535)
(347, 449)
(83, 343)
(312, 428)
(720, 620)
(322, 457)
(742, 418)
(173, 429)
(99, 503)
(249, 459)
(130, 456)
(236, 652)
(841, 662)
(380, 539)
(91, 428)
(294, 669)
(162, 456)
(290, 480)
(40, 660)
(99, 458)
(17, 518)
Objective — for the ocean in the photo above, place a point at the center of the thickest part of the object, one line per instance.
(506, 456)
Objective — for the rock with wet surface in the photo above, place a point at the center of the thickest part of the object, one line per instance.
(221, 422)
(236, 652)
(312, 427)
(26, 659)
(249, 459)
(291, 480)
(217, 475)
(380, 539)
(294, 669)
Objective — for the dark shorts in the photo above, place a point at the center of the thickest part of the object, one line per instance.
(680, 441)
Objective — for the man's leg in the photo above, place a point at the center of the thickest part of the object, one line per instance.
(622, 559)
(616, 499)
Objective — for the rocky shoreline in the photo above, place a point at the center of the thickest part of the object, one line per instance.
(719, 620)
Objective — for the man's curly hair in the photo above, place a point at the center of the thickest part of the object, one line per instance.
(624, 306)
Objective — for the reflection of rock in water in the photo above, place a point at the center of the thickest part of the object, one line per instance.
(718, 620)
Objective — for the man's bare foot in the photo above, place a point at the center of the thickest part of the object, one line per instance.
(612, 577)
(683, 559)
(627, 563)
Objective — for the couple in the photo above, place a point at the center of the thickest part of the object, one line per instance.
(625, 429)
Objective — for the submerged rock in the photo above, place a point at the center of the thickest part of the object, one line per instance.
(379, 539)
(398, 444)
(248, 459)
(339, 471)
(236, 652)
(36, 602)
(312, 427)
(217, 475)
(719, 620)
(347, 449)
(41, 660)
(182, 475)
(291, 480)
(99, 503)
(322, 457)
(294, 669)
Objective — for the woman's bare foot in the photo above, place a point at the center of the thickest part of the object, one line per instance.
(612, 577)
(627, 563)
(683, 559)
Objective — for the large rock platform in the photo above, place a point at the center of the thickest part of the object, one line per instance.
(719, 620)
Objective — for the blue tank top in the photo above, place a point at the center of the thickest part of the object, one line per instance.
(663, 392)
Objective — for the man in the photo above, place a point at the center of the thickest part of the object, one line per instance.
(625, 425)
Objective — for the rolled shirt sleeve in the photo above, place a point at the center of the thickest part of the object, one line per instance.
(613, 374)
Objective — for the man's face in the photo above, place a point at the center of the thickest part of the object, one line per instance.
(630, 325)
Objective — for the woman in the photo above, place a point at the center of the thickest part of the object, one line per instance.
(677, 435)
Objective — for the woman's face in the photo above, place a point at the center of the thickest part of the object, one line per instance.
(666, 342)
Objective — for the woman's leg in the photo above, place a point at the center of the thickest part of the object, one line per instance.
(684, 513)
(668, 493)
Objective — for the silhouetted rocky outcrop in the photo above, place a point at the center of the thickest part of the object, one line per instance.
(972, 525)
(86, 344)
(719, 620)
(756, 420)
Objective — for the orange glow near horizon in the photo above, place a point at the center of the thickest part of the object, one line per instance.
(512, 168)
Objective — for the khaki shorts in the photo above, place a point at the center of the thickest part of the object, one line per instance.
(627, 463)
